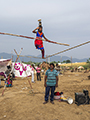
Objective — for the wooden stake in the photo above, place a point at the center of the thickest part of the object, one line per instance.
(24, 69)
(13, 68)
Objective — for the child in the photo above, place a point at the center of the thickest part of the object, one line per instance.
(9, 81)
(39, 35)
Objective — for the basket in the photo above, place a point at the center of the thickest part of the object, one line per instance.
(57, 97)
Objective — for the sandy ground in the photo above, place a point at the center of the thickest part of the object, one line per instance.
(18, 103)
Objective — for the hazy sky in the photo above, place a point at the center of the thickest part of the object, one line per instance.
(65, 21)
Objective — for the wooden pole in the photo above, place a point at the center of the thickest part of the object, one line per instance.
(13, 68)
(24, 69)
(34, 38)
(71, 61)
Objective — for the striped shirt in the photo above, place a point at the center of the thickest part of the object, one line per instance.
(51, 77)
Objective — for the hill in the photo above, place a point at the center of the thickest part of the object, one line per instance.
(54, 58)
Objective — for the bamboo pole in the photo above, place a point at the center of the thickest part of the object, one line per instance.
(14, 66)
(25, 70)
(34, 38)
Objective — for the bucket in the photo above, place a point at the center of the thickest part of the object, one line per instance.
(56, 97)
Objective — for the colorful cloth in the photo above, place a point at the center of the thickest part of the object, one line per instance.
(9, 83)
(39, 43)
(19, 70)
(51, 77)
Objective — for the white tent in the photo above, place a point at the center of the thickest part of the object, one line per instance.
(3, 67)
(4, 63)
(19, 71)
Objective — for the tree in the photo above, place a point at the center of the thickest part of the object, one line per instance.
(64, 61)
(54, 62)
(68, 61)
(88, 60)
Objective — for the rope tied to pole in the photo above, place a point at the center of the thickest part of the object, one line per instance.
(57, 52)
(68, 49)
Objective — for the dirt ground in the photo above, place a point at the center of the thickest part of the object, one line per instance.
(18, 103)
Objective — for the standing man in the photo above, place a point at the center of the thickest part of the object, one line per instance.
(32, 72)
(51, 81)
(38, 69)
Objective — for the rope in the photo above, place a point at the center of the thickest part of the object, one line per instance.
(31, 56)
(34, 38)
(56, 53)
(68, 49)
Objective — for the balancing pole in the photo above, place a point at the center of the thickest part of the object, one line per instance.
(34, 38)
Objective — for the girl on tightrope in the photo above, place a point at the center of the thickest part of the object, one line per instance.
(39, 34)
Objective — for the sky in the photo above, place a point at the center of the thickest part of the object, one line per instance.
(64, 21)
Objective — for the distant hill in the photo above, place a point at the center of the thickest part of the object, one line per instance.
(54, 58)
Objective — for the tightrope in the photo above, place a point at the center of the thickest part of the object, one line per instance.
(68, 49)
(31, 56)
(58, 52)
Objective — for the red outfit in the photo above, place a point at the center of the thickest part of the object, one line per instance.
(39, 43)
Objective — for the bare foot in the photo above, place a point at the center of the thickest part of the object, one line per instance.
(43, 57)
